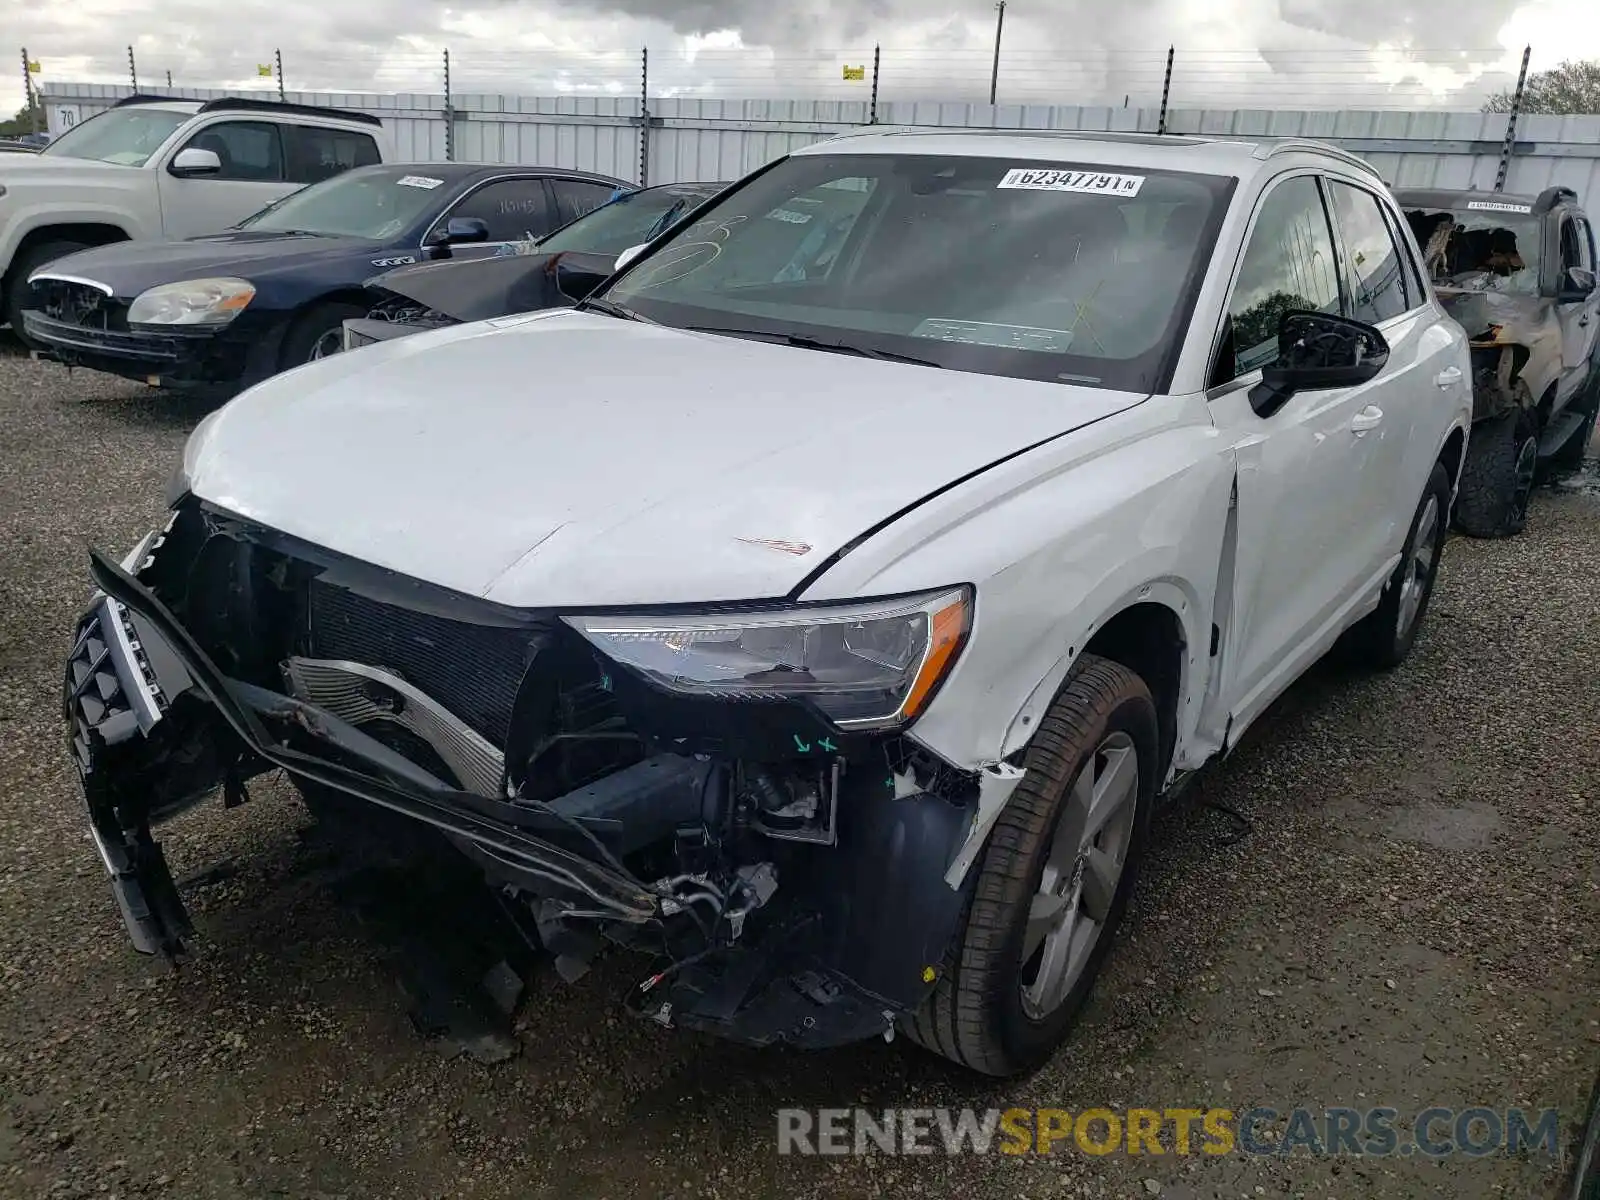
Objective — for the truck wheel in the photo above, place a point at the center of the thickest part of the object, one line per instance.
(317, 333)
(25, 264)
(1384, 637)
(1570, 456)
(1053, 881)
(1497, 478)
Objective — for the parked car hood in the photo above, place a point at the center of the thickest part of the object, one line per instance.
(477, 289)
(128, 268)
(571, 459)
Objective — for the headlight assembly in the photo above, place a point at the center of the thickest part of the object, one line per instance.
(867, 664)
(192, 302)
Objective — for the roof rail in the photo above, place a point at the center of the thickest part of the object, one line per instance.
(148, 98)
(249, 104)
(1553, 196)
(1267, 147)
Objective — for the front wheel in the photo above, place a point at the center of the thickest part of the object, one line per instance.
(1497, 478)
(1384, 637)
(317, 333)
(1053, 881)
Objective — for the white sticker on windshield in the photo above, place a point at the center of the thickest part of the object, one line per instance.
(1098, 183)
(1498, 206)
(426, 182)
(792, 217)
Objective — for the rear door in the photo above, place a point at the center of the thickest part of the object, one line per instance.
(1404, 411)
(313, 153)
(253, 175)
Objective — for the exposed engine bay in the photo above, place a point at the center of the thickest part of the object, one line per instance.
(1485, 266)
(789, 879)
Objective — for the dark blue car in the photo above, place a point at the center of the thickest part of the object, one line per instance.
(229, 309)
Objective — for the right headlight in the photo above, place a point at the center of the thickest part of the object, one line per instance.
(192, 302)
(866, 664)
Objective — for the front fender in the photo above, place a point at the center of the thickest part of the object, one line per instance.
(1057, 541)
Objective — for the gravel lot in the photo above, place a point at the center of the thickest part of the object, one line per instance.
(1414, 919)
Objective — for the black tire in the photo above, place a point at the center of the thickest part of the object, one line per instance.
(313, 326)
(25, 264)
(1497, 478)
(1570, 456)
(1382, 639)
(975, 1015)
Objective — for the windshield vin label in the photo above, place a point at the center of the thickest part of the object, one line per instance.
(1098, 183)
(1498, 206)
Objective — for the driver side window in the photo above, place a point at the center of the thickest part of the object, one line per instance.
(1288, 263)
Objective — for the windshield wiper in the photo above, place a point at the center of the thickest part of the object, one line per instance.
(801, 342)
(612, 309)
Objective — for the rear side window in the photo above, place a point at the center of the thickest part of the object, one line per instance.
(1373, 266)
(575, 197)
(1288, 263)
(250, 151)
(315, 153)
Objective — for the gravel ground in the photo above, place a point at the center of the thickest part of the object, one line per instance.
(1413, 919)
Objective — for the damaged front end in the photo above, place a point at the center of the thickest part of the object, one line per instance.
(793, 864)
(1515, 343)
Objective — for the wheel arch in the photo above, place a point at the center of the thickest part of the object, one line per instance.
(1149, 632)
(89, 233)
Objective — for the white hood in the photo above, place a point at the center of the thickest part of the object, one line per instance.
(572, 459)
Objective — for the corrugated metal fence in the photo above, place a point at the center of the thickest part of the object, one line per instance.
(723, 139)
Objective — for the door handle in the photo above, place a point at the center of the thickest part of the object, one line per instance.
(1448, 377)
(1369, 417)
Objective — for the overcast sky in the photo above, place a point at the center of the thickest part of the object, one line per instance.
(1261, 53)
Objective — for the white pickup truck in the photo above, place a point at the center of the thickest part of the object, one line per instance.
(156, 168)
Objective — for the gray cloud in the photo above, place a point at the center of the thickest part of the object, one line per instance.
(1298, 52)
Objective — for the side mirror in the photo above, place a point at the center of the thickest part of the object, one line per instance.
(1576, 285)
(1318, 352)
(628, 255)
(193, 161)
(457, 231)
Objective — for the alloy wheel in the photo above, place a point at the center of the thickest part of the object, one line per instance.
(1418, 568)
(1083, 866)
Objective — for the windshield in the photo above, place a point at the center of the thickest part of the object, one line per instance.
(626, 221)
(1479, 249)
(124, 136)
(378, 204)
(1040, 270)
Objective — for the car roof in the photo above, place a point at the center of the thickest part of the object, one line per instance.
(455, 172)
(1236, 156)
(1450, 197)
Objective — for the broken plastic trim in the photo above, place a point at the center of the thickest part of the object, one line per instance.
(406, 788)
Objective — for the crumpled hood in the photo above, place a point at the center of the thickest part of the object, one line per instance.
(477, 289)
(571, 459)
(128, 268)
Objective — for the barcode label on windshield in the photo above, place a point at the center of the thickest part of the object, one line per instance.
(1498, 206)
(1098, 183)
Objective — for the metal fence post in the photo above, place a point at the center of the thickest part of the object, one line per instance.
(877, 62)
(277, 58)
(1166, 92)
(1511, 123)
(169, 81)
(133, 71)
(449, 113)
(644, 116)
(999, 28)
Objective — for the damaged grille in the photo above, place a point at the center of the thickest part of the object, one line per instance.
(94, 696)
(81, 305)
(472, 670)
